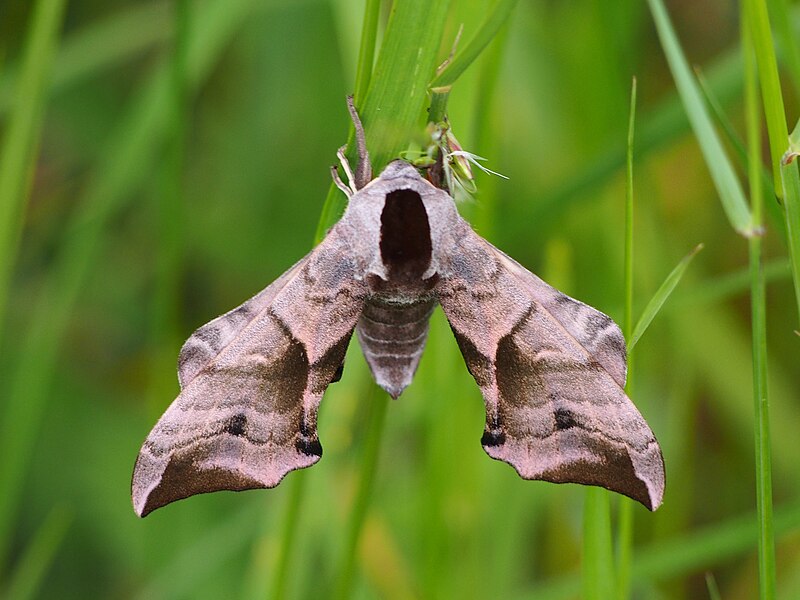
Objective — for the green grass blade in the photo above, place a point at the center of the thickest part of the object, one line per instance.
(758, 21)
(625, 515)
(366, 51)
(740, 152)
(758, 311)
(38, 555)
(291, 518)
(378, 405)
(722, 173)
(597, 564)
(787, 37)
(397, 92)
(399, 87)
(453, 68)
(712, 587)
(628, 320)
(757, 17)
(18, 152)
(660, 297)
(794, 142)
(790, 180)
(496, 18)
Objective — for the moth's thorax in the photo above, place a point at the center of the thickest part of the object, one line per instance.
(405, 237)
(398, 227)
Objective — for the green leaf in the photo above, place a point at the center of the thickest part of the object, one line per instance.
(660, 297)
(722, 172)
(397, 91)
(498, 16)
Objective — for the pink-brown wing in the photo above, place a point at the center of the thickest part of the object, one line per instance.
(552, 372)
(251, 382)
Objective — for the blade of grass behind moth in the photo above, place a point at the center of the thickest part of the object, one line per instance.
(755, 13)
(625, 516)
(127, 159)
(125, 34)
(790, 180)
(378, 403)
(787, 175)
(758, 311)
(334, 203)
(499, 14)
(397, 90)
(787, 38)
(447, 76)
(740, 152)
(712, 587)
(597, 562)
(722, 173)
(660, 297)
(21, 139)
(38, 555)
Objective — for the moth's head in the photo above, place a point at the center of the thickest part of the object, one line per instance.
(399, 225)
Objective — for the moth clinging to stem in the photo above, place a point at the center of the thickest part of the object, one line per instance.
(551, 369)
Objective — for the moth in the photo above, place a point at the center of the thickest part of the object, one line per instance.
(551, 369)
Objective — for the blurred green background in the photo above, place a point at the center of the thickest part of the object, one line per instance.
(120, 259)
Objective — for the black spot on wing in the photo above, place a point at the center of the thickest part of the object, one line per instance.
(237, 425)
(564, 300)
(493, 438)
(309, 447)
(564, 419)
(209, 334)
(597, 322)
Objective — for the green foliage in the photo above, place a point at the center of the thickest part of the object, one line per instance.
(184, 164)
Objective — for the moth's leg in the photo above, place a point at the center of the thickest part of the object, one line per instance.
(493, 435)
(363, 168)
(337, 181)
(308, 442)
(351, 182)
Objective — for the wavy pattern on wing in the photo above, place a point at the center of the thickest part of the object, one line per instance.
(552, 371)
(251, 383)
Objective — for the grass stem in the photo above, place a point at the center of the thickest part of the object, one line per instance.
(288, 535)
(378, 404)
(625, 514)
(766, 541)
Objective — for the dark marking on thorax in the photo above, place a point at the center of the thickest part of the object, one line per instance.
(405, 237)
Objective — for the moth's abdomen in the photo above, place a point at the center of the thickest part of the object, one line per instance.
(392, 335)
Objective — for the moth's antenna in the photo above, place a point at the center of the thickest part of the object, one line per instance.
(363, 168)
